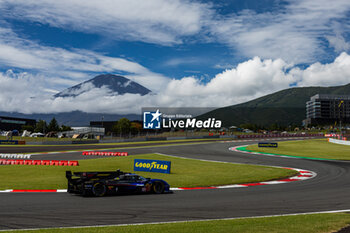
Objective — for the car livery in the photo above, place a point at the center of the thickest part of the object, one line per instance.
(117, 182)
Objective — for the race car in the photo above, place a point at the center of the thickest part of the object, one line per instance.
(117, 182)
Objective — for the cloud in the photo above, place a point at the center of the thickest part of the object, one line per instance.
(299, 31)
(295, 32)
(63, 67)
(332, 74)
(155, 21)
(184, 60)
(248, 80)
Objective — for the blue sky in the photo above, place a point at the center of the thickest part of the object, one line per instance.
(207, 53)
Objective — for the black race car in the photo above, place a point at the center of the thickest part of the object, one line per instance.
(117, 182)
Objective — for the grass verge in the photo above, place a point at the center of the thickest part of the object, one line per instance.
(316, 148)
(184, 172)
(311, 223)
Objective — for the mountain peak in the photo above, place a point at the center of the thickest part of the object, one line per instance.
(118, 85)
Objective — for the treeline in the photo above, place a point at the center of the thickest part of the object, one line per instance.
(272, 127)
(125, 127)
(43, 127)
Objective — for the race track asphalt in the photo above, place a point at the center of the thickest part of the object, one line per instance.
(329, 190)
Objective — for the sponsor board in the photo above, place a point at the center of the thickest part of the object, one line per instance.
(146, 165)
(11, 142)
(268, 144)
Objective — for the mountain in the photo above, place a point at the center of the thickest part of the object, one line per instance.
(284, 108)
(118, 85)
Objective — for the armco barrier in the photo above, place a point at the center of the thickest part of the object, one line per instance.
(38, 162)
(104, 153)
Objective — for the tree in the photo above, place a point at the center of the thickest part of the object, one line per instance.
(53, 126)
(29, 128)
(65, 128)
(135, 127)
(122, 126)
(41, 127)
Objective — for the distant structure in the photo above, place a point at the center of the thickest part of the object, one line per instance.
(327, 110)
(13, 123)
(106, 125)
(95, 131)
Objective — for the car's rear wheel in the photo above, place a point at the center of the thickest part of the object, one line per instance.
(158, 187)
(99, 189)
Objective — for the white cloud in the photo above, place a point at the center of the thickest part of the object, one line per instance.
(299, 31)
(332, 74)
(248, 80)
(63, 68)
(295, 33)
(155, 21)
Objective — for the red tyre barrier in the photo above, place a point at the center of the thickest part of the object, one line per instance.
(102, 153)
(45, 162)
(73, 163)
(36, 162)
(63, 163)
(54, 163)
(28, 162)
(19, 162)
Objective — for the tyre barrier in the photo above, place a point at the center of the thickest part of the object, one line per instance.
(38, 162)
(103, 153)
(15, 156)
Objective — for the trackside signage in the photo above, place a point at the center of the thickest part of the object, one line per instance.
(9, 142)
(268, 144)
(146, 165)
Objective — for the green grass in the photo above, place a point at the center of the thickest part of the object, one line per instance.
(313, 223)
(184, 172)
(317, 148)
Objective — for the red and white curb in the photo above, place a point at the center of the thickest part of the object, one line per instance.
(304, 174)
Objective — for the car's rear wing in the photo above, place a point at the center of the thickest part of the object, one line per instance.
(93, 175)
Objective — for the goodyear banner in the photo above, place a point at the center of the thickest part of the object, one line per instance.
(9, 142)
(145, 165)
(268, 144)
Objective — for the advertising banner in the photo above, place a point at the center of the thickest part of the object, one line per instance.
(145, 165)
(268, 144)
(9, 142)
